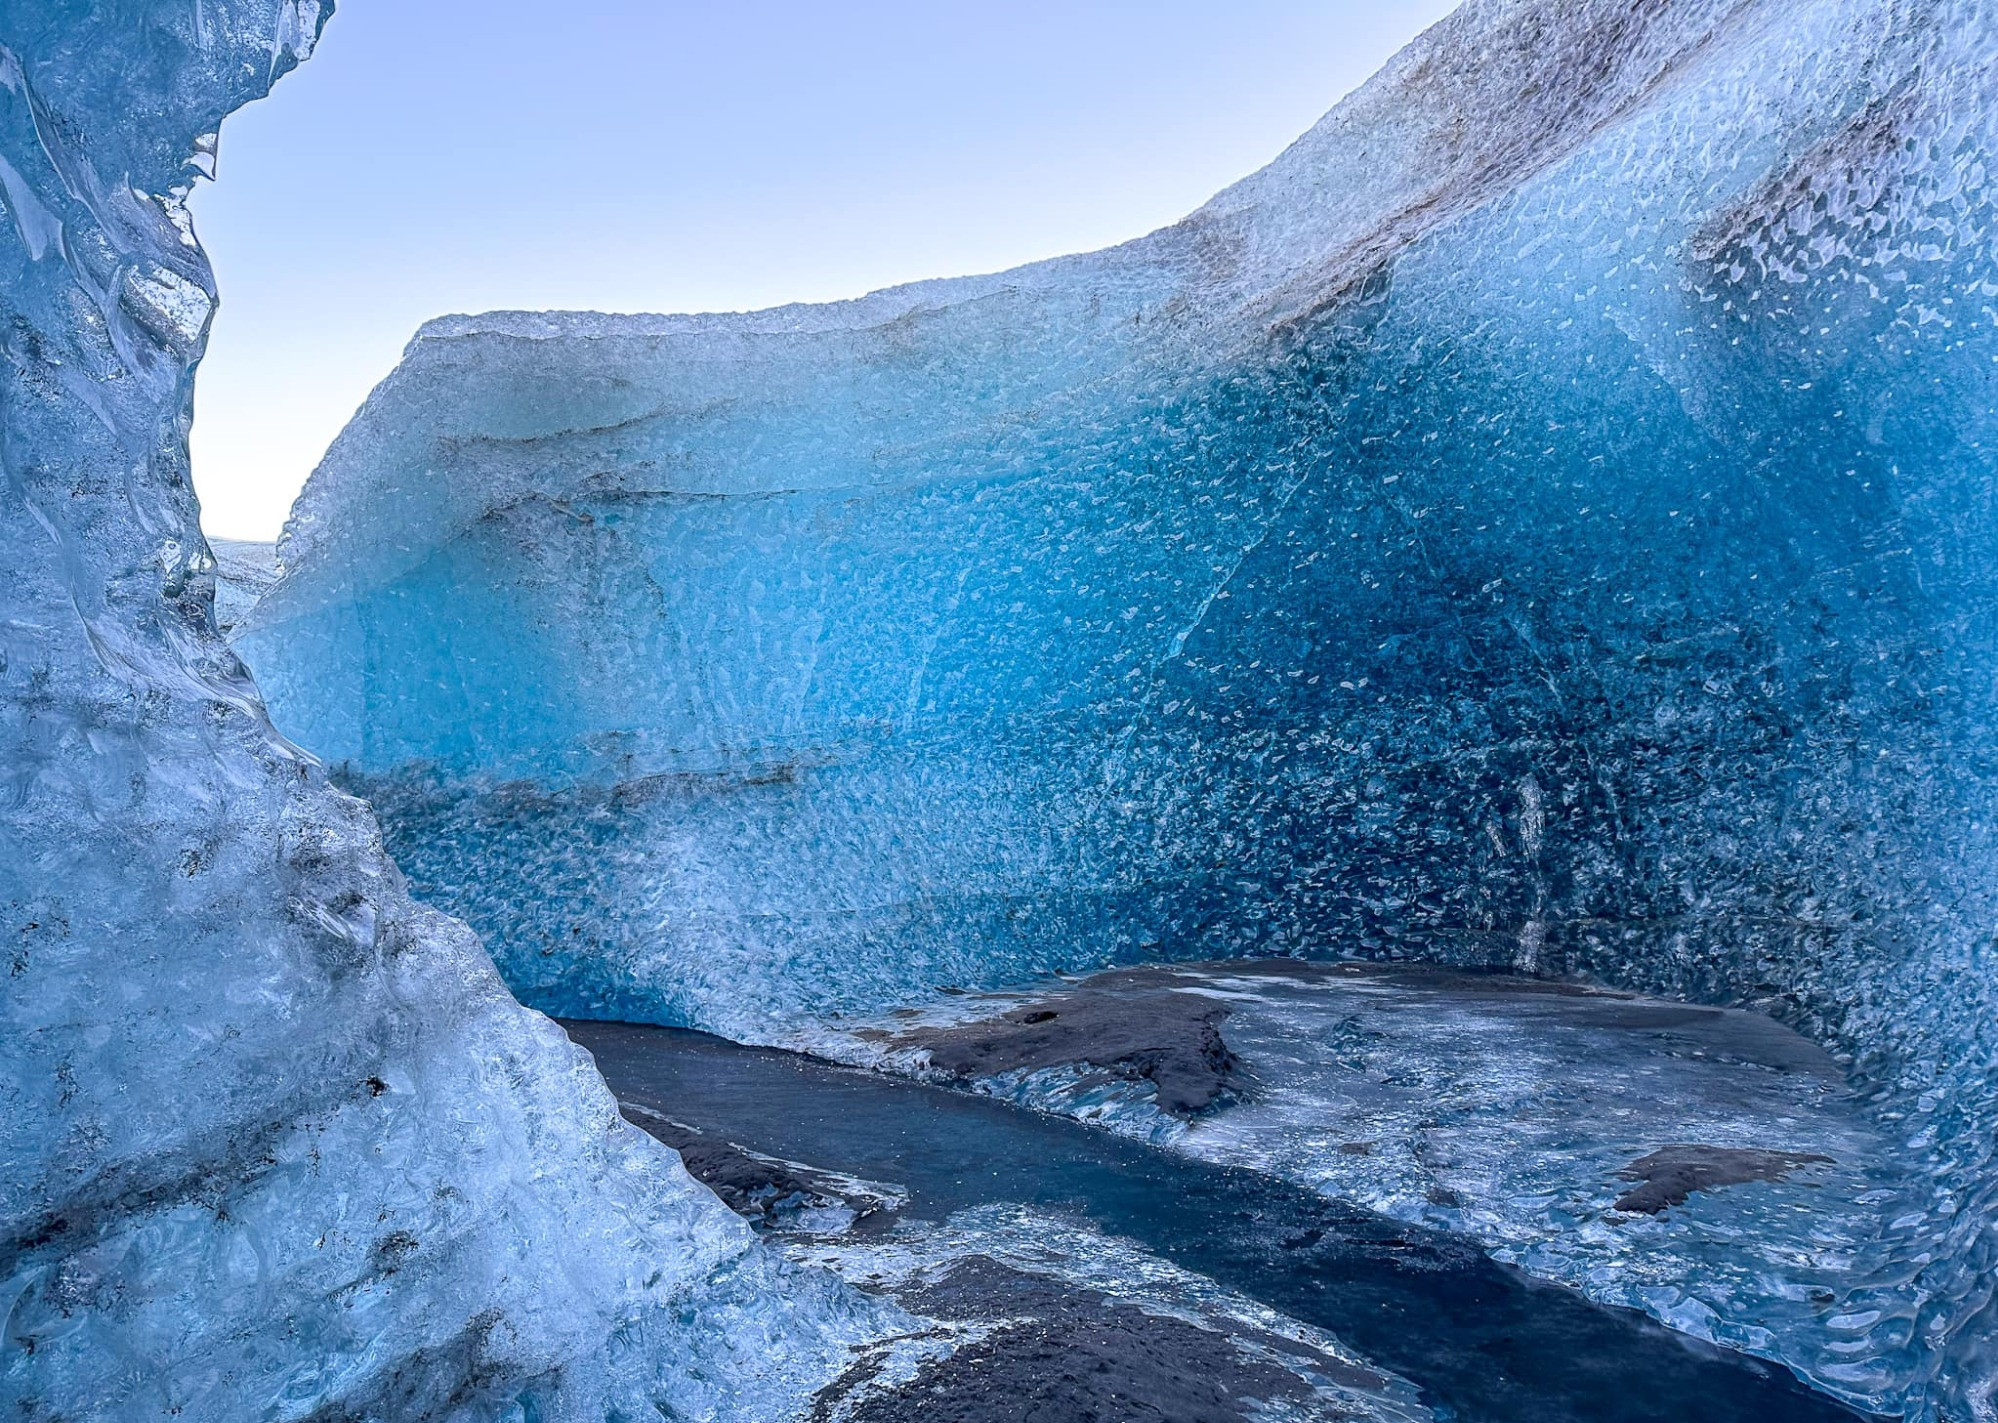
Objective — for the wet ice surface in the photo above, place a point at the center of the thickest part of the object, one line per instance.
(1040, 1248)
(1050, 1318)
(1024, 1312)
(1518, 1113)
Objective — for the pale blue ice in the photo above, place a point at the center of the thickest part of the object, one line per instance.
(275, 1142)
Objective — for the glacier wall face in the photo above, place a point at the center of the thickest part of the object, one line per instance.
(275, 1142)
(1544, 519)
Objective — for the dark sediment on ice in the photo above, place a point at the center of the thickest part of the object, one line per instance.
(1129, 1023)
(1476, 1338)
(1154, 1025)
(1673, 1173)
(762, 1189)
(244, 572)
(1064, 1352)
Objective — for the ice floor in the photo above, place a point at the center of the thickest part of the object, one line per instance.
(1062, 1272)
(1707, 1166)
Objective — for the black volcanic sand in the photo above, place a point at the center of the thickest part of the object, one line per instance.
(1481, 1340)
(1059, 1352)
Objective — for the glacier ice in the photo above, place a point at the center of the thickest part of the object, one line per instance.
(244, 572)
(275, 1142)
(1543, 519)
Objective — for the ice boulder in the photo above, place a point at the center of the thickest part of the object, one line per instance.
(275, 1142)
(1544, 519)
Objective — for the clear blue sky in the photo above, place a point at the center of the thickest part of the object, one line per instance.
(667, 155)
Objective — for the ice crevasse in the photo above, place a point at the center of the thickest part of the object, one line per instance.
(1543, 519)
(275, 1142)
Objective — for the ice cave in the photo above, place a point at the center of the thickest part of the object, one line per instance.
(1409, 760)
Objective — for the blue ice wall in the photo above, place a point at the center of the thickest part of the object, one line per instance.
(1542, 520)
(275, 1142)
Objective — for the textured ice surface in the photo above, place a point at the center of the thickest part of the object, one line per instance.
(244, 572)
(1544, 518)
(275, 1142)
(1511, 1110)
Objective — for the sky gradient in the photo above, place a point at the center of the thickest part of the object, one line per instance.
(656, 155)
